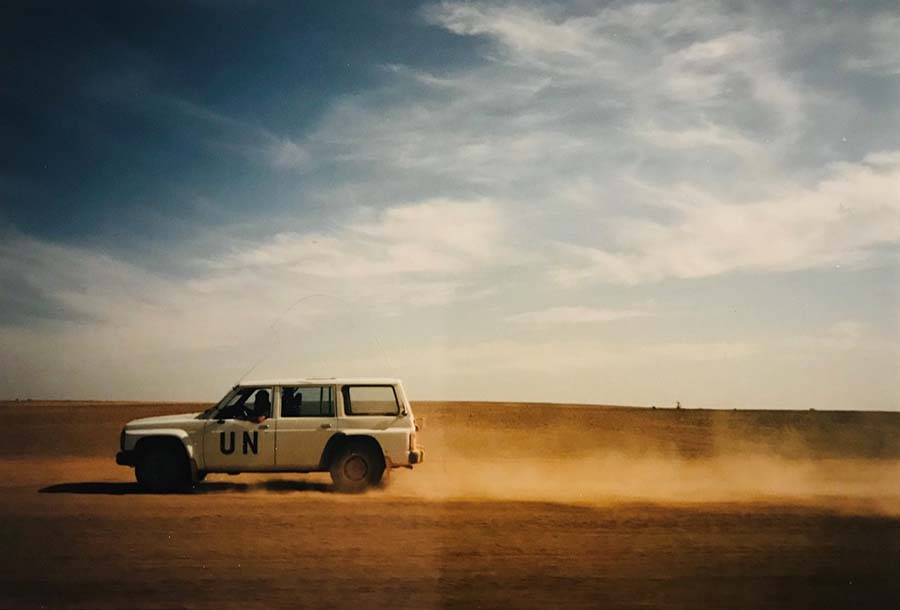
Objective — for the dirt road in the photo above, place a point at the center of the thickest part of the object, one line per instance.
(578, 508)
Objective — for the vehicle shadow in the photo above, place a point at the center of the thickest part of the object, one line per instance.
(122, 489)
(93, 487)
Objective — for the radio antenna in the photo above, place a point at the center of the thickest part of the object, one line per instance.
(270, 330)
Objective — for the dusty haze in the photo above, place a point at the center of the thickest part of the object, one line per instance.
(586, 454)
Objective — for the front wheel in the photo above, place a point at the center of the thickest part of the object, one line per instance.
(162, 470)
(357, 467)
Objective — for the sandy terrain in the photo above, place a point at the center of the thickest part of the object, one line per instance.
(518, 506)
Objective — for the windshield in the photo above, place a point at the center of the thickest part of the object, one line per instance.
(242, 403)
(225, 400)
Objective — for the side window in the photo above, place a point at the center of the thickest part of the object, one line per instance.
(244, 403)
(370, 400)
(307, 401)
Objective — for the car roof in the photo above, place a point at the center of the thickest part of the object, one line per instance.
(289, 381)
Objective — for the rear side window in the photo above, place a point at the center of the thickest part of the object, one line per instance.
(370, 400)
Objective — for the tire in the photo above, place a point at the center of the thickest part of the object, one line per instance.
(357, 467)
(162, 469)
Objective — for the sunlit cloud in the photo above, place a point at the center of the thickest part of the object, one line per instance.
(841, 221)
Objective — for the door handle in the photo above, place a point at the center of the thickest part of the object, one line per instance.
(264, 427)
(325, 426)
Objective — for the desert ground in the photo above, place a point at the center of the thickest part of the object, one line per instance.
(517, 506)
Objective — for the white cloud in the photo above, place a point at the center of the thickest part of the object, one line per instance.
(386, 263)
(471, 229)
(576, 315)
(436, 236)
(665, 131)
(701, 136)
(840, 221)
(523, 29)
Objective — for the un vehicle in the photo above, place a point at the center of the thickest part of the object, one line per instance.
(356, 429)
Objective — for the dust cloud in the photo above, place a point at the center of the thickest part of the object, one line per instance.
(609, 477)
(587, 455)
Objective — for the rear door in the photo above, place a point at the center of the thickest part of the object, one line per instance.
(232, 441)
(306, 421)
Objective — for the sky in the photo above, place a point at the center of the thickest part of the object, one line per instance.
(598, 202)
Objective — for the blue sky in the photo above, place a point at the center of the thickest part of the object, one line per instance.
(613, 202)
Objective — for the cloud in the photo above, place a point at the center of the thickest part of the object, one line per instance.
(404, 239)
(845, 336)
(847, 332)
(708, 136)
(397, 259)
(881, 54)
(576, 315)
(286, 154)
(697, 351)
(524, 29)
(300, 301)
(636, 142)
(842, 220)
(247, 139)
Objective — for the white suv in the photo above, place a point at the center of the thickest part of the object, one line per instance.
(353, 428)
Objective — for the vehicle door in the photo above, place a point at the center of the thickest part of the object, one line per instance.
(239, 436)
(305, 423)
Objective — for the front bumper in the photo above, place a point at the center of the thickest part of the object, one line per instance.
(125, 458)
(417, 456)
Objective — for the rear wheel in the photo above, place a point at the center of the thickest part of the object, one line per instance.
(162, 469)
(356, 467)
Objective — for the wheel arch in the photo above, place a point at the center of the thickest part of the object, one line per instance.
(341, 439)
(134, 438)
(152, 441)
(173, 442)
